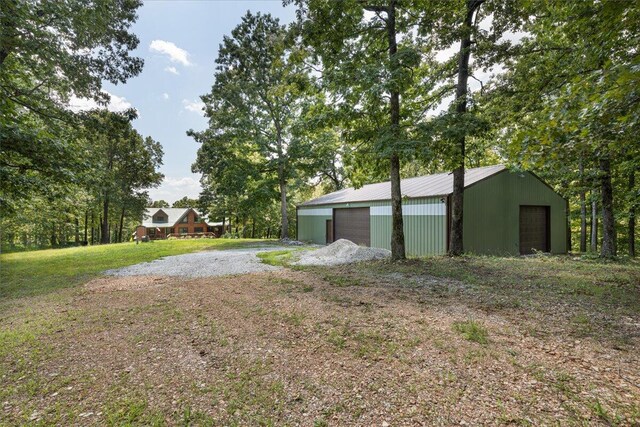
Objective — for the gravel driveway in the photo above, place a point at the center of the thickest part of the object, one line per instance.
(201, 264)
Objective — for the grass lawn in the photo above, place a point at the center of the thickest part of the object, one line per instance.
(435, 341)
(36, 272)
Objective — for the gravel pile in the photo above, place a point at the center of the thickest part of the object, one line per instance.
(201, 264)
(342, 252)
(291, 242)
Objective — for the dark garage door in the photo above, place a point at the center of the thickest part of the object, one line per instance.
(352, 224)
(534, 229)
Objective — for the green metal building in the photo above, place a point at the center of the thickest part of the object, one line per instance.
(505, 213)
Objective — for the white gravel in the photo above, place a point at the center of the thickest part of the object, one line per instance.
(201, 264)
(342, 252)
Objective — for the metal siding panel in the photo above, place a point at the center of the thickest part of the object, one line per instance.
(492, 213)
(312, 228)
(424, 234)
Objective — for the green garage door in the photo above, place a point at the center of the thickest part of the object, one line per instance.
(534, 229)
(352, 224)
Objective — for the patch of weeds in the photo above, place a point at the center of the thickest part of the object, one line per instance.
(190, 417)
(283, 280)
(337, 338)
(320, 422)
(280, 258)
(132, 411)
(538, 372)
(342, 281)
(472, 331)
(507, 303)
(291, 285)
(447, 377)
(473, 356)
(294, 318)
(217, 334)
(340, 300)
(372, 344)
(333, 409)
(412, 342)
(582, 325)
(602, 413)
(253, 398)
(565, 384)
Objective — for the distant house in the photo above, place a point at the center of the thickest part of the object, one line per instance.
(161, 223)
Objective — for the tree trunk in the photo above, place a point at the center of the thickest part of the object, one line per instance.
(456, 238)
(121, 224)
(594, 223)
(104, 234)
(631, 231)
(86, 217)
(583, 212)
(397, 226)
(77, 230)
(53, 235)
(283, 209)
(8, 28)
(93, 228)
(253, 228)
(608, 249)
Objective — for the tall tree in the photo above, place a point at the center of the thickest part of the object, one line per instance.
(575, 81)
(124, 164)
(51, 51)
(185, 202)
(256, 108)
(369, 60)
(457, 198)
(160, 204)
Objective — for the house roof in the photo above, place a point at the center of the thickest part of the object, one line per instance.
(173, 216)
(440, 184)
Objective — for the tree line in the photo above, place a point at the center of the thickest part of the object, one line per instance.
(66, 176)
(361, 91)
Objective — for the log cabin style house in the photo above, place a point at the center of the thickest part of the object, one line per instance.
(162, 223)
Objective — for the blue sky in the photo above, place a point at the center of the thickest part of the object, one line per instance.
(179, 43)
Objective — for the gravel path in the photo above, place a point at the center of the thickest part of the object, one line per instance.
(201, 264)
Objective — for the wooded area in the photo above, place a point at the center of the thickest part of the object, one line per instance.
(352, 92)
(69, 177)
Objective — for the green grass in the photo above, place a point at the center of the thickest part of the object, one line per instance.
(514, 283)
(472, 331)
(281, 258)
(38, 272)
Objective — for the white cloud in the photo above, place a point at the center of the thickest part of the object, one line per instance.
(116, 104)
(172, 70)
(193, 106)
(175, 188)
(165, 95)
(174, 53)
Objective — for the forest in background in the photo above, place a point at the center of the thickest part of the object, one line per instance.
(352, 92)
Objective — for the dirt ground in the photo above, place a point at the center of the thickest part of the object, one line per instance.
(302, 348)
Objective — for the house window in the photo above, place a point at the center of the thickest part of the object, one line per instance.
(160, 218)
(184, 230)
(196, 219)
(198, 230)
(172, 230)
(185, 219)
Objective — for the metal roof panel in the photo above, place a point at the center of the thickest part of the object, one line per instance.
(423, 186)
